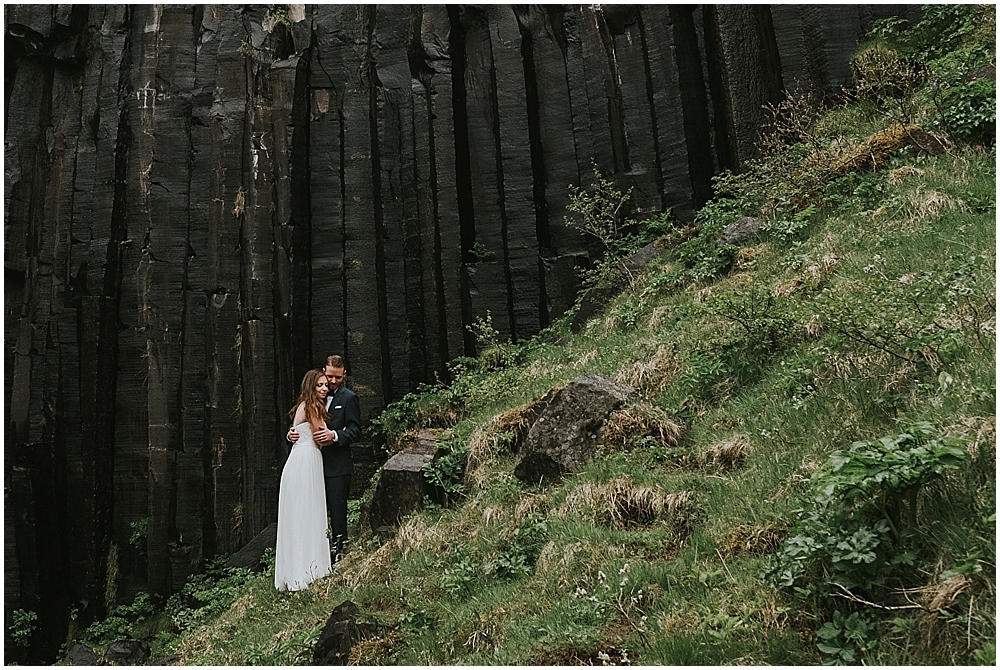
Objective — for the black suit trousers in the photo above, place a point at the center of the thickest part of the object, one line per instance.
(337, 488)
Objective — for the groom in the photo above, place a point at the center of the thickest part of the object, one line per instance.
(343, 427)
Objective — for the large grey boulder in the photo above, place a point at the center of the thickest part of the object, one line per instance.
(402, 487)
(568, 432)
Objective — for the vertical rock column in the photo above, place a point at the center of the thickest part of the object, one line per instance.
(437, 188)
(484, 219)
(362, 226)
(224, 197)
(395, 205)
(744, 58)
(40, 159)
(327, 83)
(159, 230)
(555, 119)
(627, 54)
(515, 174)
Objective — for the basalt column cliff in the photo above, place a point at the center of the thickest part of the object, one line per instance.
(201, 202)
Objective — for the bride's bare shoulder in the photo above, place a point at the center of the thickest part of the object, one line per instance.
(300, 414)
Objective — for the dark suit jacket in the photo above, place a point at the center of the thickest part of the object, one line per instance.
(345, 418)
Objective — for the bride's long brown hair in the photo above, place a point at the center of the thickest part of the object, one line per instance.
(314, 406)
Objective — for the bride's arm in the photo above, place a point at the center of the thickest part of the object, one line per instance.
(300, 414)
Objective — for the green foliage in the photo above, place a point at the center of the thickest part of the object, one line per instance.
(446, 472)
(517, 558)
(206, 595)
(140, 529)
(882, 75)
(461, 572)
(246, 50)
(985, 655)
(969, 110)
(600, 215)
(702, 256)
(397, 418)
(938, 53)
(864, 510)
(269, 556)
(946, 29)
(762, 316)
(22, 626)
(279, 14)
(785, 231)
(480, 252)
(122, 621)
(845, 639)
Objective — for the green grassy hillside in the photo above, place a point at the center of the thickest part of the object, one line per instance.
(833, 495)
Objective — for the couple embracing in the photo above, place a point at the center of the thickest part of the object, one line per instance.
(316, 478)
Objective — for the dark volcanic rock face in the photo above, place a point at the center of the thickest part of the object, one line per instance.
(202, 202)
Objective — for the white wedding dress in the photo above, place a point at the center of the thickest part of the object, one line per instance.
(302, 554)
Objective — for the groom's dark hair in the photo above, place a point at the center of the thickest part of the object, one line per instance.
(336, 361)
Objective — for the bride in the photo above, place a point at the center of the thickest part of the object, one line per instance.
(302, 554)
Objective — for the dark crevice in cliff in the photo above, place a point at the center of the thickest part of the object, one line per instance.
(110, 325)
(725, 133)
(542, 234)
(441, 309)
(463, 165)
(771, 70)
(658, 167)
(419, 306)
(694, 104)
(374, 88)
(299, 323)
(616, 114)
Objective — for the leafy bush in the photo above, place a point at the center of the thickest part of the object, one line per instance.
(859, 526)
(518, 558)
(206, 595)
(447, 472)
(460, 573)
(600, 215)
(844, 637)
(969, 110)
(701, 254)
(122, 621)
(22, 626)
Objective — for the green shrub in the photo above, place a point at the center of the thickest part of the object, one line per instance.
(861, 524)
(969, 110)
(22, 626)
(843, 638)
(600, 215)
(446, 473)
(206, 595)
(121, 622)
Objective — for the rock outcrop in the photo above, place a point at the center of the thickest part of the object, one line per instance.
(402, 486)
(203, 201)
(249, 555)
(568, 432)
